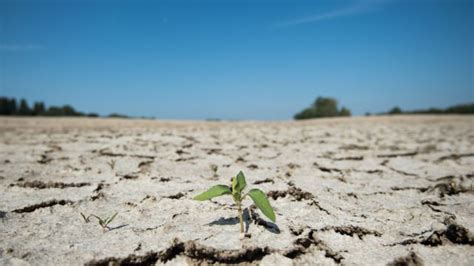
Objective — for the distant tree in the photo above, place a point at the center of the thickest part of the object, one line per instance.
(345, 112)
(24, 109)
(115, 115)
(395, 110)
(65, 110)
(5, 107)
(12, 107)
(323, 107)
(433, 111)
(38, 108)
(68, 110)
(461, 109)
(368, 114)
(306, 114)
(54, 111)
(93, 115)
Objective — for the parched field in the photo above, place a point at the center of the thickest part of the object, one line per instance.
(377, 190)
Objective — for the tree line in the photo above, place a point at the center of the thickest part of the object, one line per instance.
(10, 106)
(328, 107)
(455, 109)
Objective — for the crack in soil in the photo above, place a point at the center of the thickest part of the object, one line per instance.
(327, 169)
(298, 195)
(353, 158)
(107, 152)
(145, 166)
(454, 233)
(353, 147)
(201, 254)
(42, 185)
(303, 244)
(410, 260)
(454, 157)
(430, 205)
(176, 196)
(190, 249)
(352, 230)
(97, 192)
(451, 186)
(293, 191)
(266, 180)
(44, 159)
(44, 204)
(182, 159)
(131, 176)
(401, 172)
(421, 189)
(394, 155)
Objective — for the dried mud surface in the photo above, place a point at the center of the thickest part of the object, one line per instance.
(379, 190)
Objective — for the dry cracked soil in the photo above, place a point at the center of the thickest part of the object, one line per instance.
(354, 191)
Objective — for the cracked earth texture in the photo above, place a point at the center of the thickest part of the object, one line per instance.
(378, 190)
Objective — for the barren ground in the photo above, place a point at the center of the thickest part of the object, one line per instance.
(375, 190)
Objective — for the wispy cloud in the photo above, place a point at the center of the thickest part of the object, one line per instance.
(19, 47)
(355, 9)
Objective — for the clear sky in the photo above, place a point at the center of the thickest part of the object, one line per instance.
(230, 59)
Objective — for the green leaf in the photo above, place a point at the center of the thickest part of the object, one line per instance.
(238, 183)
(111, 218)
(101, 222)
(84, 217)
(262, 203)
(214, 191)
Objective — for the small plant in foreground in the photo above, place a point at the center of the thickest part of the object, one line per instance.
(238, 185)
(104, 223)
(111, 164)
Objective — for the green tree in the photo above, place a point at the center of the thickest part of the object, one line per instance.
(461, 109)
(345, 112)
(306, 114)
(54, 111)
(12, 107)
(38, 108)
(8, 106)
(323, 107)
(24, 109)
(117, 115)
(395, 110)
(68, 110)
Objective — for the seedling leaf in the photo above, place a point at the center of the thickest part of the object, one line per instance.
(240, 183)
(213, 192)
(262, 203)
(101, 222)
(111, 218)
(84, 217)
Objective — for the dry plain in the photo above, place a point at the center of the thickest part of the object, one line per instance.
(353, 191)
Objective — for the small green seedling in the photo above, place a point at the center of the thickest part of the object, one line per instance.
(238, 185)
(104, 223)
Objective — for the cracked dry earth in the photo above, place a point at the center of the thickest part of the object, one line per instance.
(379, 191)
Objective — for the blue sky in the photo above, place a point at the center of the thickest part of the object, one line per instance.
(233, 59)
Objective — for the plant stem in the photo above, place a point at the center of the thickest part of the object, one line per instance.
(239, 206)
